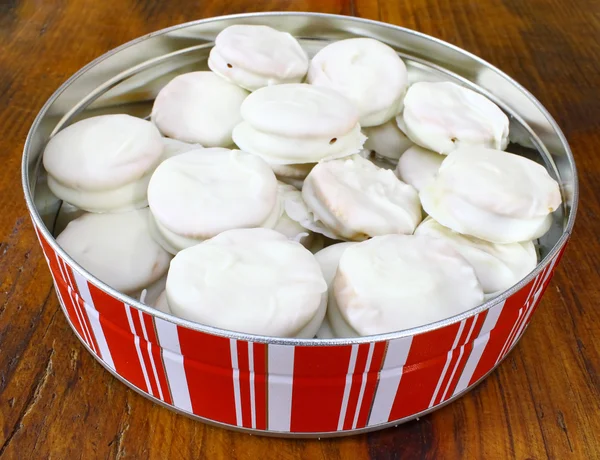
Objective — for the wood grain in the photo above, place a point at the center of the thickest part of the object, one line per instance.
(543, 402)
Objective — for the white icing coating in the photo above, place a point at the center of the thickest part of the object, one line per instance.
(292, 171)
(356, 199)
(173, 147)
(249, 280)
(100, 163)
(366, 71)
(395, 282)
(497, 266)
(300, 111)
(377, 160)
(150, 294)
(120, 199)
(254, 56)
(297, 210)
(284, 224)
(162, 304)
(445, 116)
(199, 107)
(387, 140)
(116, 248)
(325, 331)
(329, 258)
(418, 166)
(199, 194)
(282, 150)
(493, 195)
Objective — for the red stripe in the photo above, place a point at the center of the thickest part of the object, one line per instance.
(432, 344)
(208, 369)
(119, 338)
(420, 376)
(500, 333)
(359, 368)
(319, 380)
(376, 363)
(143, 344)
(260, 384)
(244, 367)
(80, 305)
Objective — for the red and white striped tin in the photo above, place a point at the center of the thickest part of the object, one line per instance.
(290, 387)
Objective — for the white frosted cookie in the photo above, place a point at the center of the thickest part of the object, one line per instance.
(497, 266)
(356, 200)
(294, 124)
(387, 140)
(418, 166)
(396, 282)
(325, 331)
(366, 71)
(198, 194)
(149, 294)
(329, 258)
(199, 108)
(493, 195)
(173, 147)
(104, 163)
(296, 172)
(255, 56)
(249, 280)
(116, 248)
(445, 116)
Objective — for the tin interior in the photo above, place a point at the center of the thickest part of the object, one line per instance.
(127, 79)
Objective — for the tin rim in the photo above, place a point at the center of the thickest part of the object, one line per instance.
(568, 229)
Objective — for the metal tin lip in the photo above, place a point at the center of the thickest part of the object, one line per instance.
(283, 340)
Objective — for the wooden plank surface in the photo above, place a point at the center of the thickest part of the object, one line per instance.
(543, 402)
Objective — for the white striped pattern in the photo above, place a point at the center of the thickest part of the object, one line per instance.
(94, 317)
(252, 385)
(138, 349)
(348, 386)
(280, 372)
(150, 356)
(173, 360)
(236, 382)
(447, 363)
(363, 384)
(389, 380)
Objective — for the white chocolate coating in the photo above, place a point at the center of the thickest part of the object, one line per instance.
(103, 163)
(254, 56)
(493, 195)
(387, 140)
(249, 280)
(445, 116)
(366, 71)
(162, 303)
(418, 166)
(173, 147)
(116, 248)
(199, 108)
(395, 282)
(286, 225)
(198, 194)
(497, 266)
(356, 199)
(298, 123)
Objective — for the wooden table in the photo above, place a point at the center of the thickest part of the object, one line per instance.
(543, 401)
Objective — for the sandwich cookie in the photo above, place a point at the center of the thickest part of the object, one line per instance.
(117, 249)
(367, 72)
(356, 200)
(173, 147)
(445, 116)
(104, 163)
(396, 282)
(418, 166)
(256, 56)
(387, 140)
(198, 194)
(254, 281)
(497, 266)
(493, 195)
(199, 108)
(284, 223)
(296, 124)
